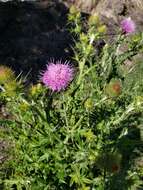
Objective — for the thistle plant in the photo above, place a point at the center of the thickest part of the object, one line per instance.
(86, 134)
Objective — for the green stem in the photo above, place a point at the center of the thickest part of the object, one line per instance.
(65, 115)
(81, 66)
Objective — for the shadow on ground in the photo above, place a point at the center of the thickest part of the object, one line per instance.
(31, 35)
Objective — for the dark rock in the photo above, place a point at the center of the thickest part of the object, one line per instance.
(31, 35)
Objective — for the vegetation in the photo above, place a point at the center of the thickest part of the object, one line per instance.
(88, 136)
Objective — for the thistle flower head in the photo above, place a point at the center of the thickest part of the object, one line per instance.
(58, 75)
(128, 25)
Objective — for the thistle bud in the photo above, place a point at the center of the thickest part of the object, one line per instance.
(110, 162)
(89, 104)
(94, 20)
(114, 88)
(102, 29)
(35, 89)
(6, 74)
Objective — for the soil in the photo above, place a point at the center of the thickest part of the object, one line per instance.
(32, 34)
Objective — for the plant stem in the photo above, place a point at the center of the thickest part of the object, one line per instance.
(65, 115)
(81, 66)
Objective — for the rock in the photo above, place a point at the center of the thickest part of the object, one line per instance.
(112, 11)
(83, 5)
(32, 33)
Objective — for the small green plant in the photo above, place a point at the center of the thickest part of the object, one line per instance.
(82, 133)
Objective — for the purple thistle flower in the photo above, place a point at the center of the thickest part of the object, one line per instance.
(128, 25)
(57, 75)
